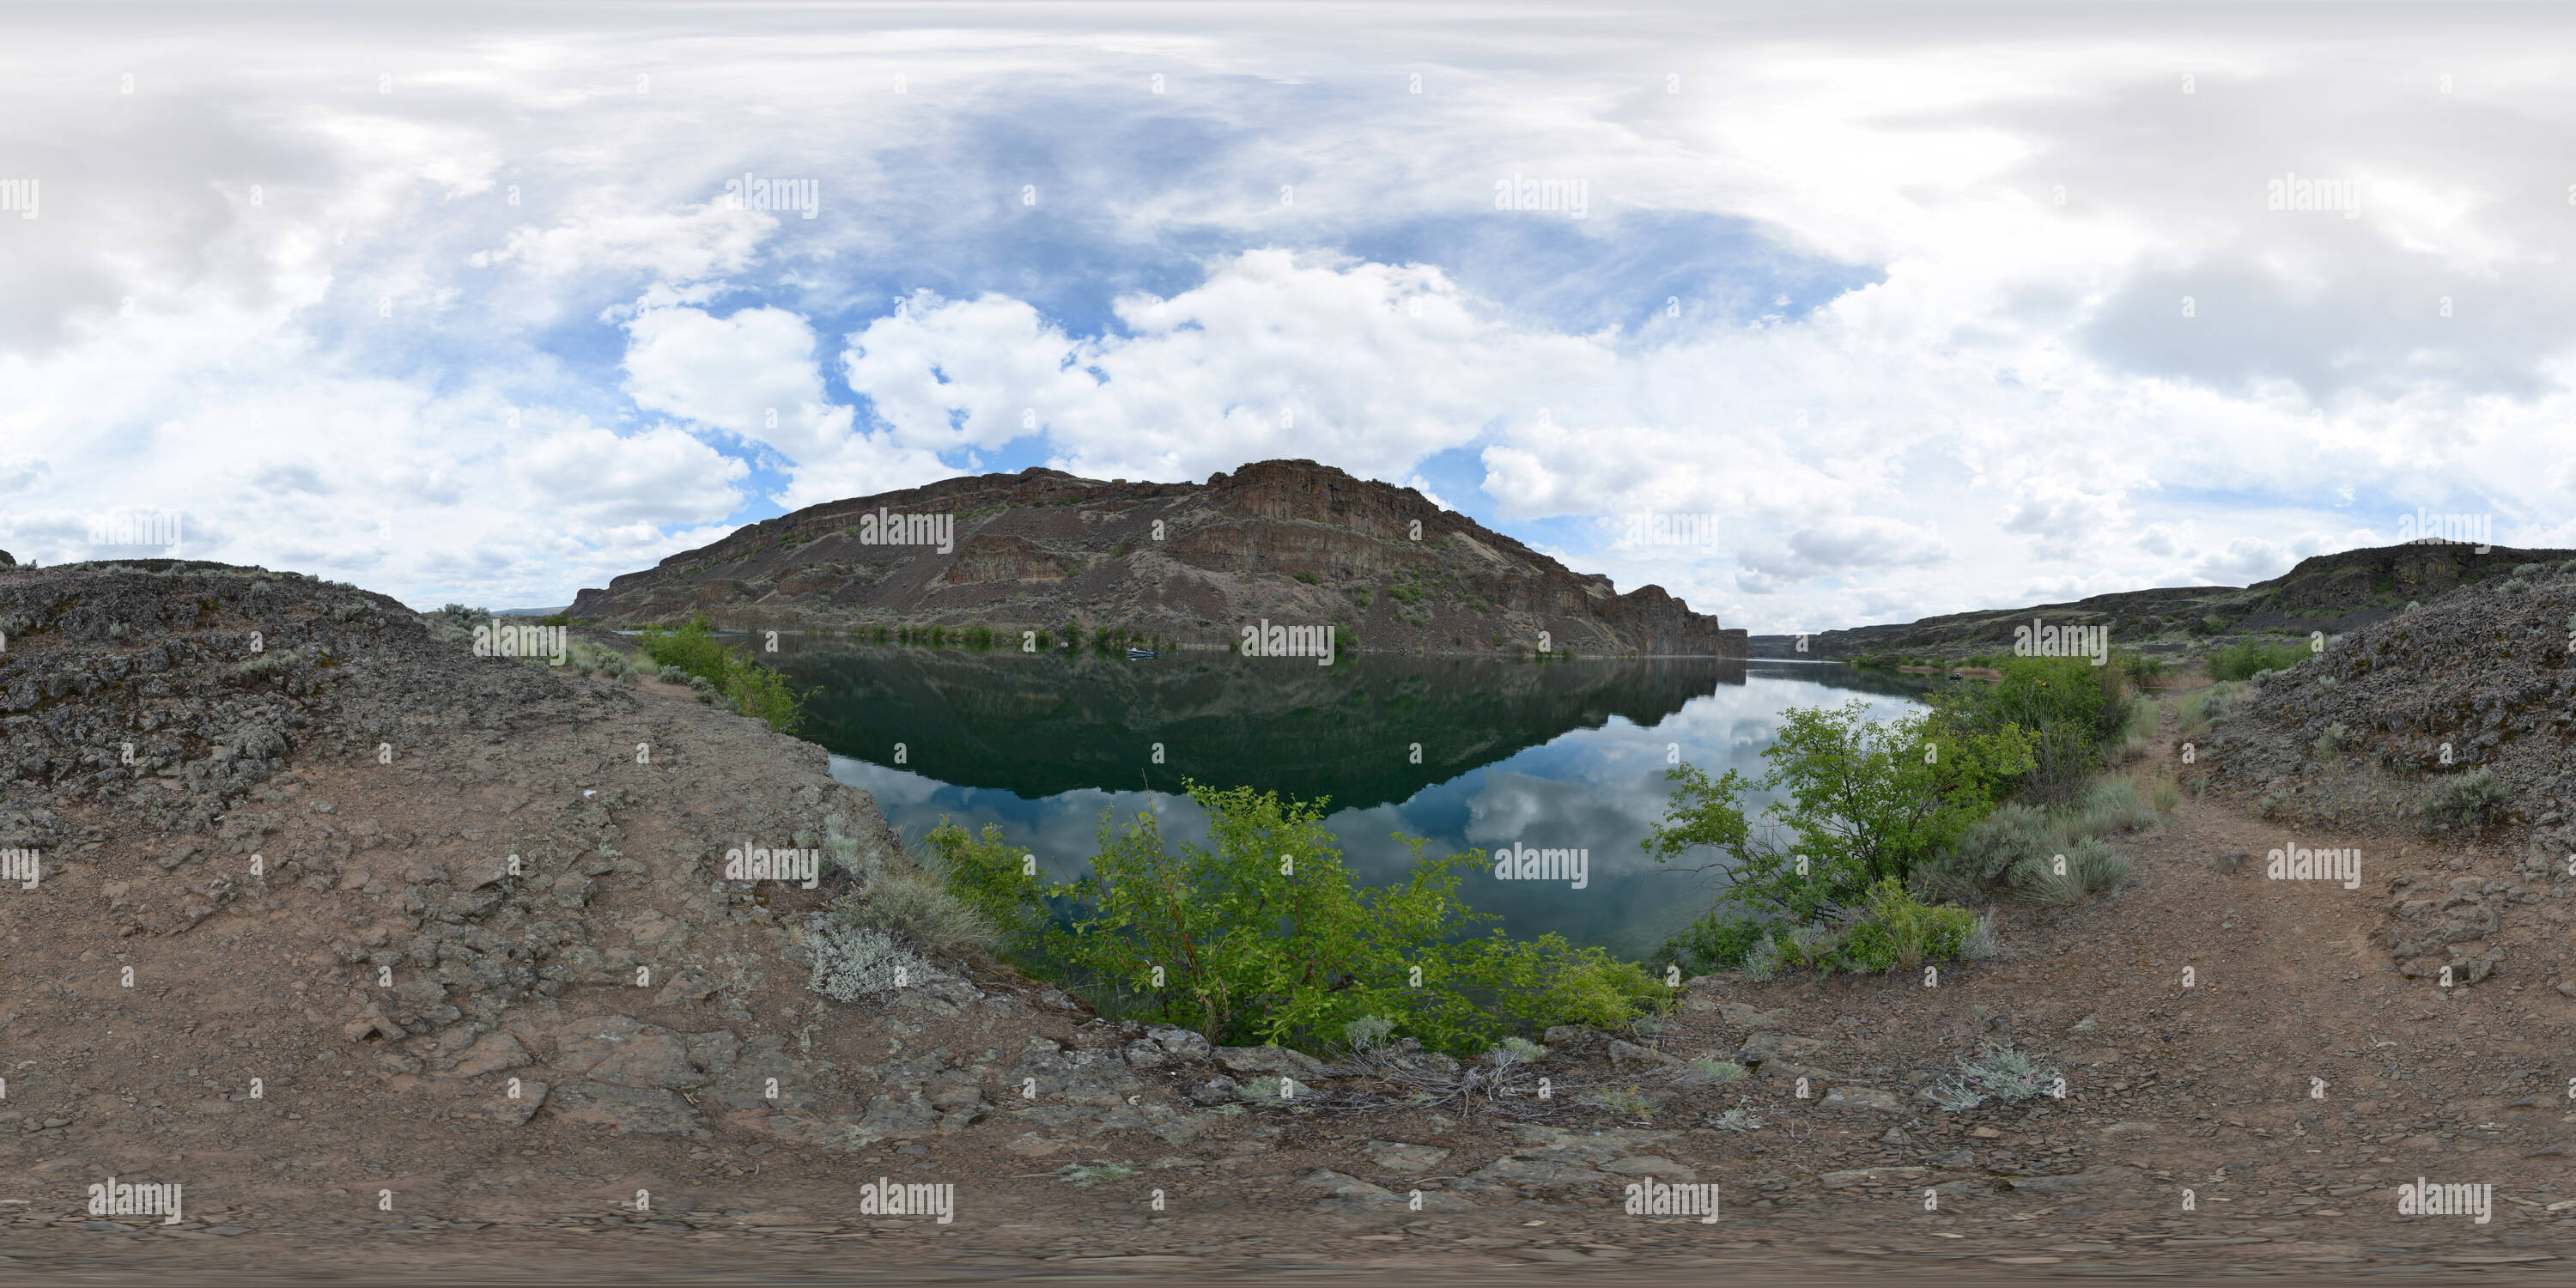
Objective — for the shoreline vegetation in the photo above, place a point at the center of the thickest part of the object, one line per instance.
(1888, 838)
(1889, 834)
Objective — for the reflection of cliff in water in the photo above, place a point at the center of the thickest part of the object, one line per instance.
(1836, 675)
(1037, 726)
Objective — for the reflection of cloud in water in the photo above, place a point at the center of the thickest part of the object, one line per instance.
(1599, 789)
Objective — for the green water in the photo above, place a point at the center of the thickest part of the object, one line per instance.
(1470, 753)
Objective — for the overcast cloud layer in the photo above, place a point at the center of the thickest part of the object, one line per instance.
(1932, 308)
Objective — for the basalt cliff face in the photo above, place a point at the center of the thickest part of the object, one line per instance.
(1286, 541)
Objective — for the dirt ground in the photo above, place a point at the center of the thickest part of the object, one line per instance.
(2289, 1087)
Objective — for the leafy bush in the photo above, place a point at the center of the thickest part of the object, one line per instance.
(994, 878)
(2065, 709)
(672, 675)
(554, 619)
(2331, 744)
(1896, 931)
(351, 612)
(1717, 941)
(1865, 802)
(1309, 578)
(2470, 799)
(764, 694)
(2243, 661)
(2513, 586)
(754, 690)
(1264, 936)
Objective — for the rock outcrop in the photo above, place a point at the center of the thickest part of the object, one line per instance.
(1286, 541)
(2334, 593)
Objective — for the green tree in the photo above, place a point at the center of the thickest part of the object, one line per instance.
(1862, 801)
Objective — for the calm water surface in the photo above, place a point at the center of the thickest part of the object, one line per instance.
(1563, 755)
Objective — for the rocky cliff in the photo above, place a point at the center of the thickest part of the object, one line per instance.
(2334, 593)
(1290, 541)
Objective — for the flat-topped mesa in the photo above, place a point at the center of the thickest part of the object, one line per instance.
(1040, 549)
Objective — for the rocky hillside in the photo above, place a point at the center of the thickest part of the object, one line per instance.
(408, 964)
(1290, 541)
(2333, 593)
(2479, 679)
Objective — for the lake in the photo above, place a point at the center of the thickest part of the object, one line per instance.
(1471, 753)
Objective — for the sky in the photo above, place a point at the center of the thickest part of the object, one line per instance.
(1888, 311)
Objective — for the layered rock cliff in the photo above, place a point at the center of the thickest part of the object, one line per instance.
(1287, 541)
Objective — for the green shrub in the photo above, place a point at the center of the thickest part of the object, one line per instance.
(2031, 855)
(918, 910)
(763, 693)
(2087, 866)
(1309, 578)
(1263, 936)
(2513, 586)
(2470, 799)
(2242, 661)
(1861, 805)
(1895, 931)
(554, 619)
(996, 879)
(716, 671)
(2065, 709)
(1716, 941)
(2331, 744)
(2108, 805)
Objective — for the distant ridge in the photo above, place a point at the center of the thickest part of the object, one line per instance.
(1287, 541)
(2331, 593)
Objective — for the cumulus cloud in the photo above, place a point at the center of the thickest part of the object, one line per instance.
(363, 331)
